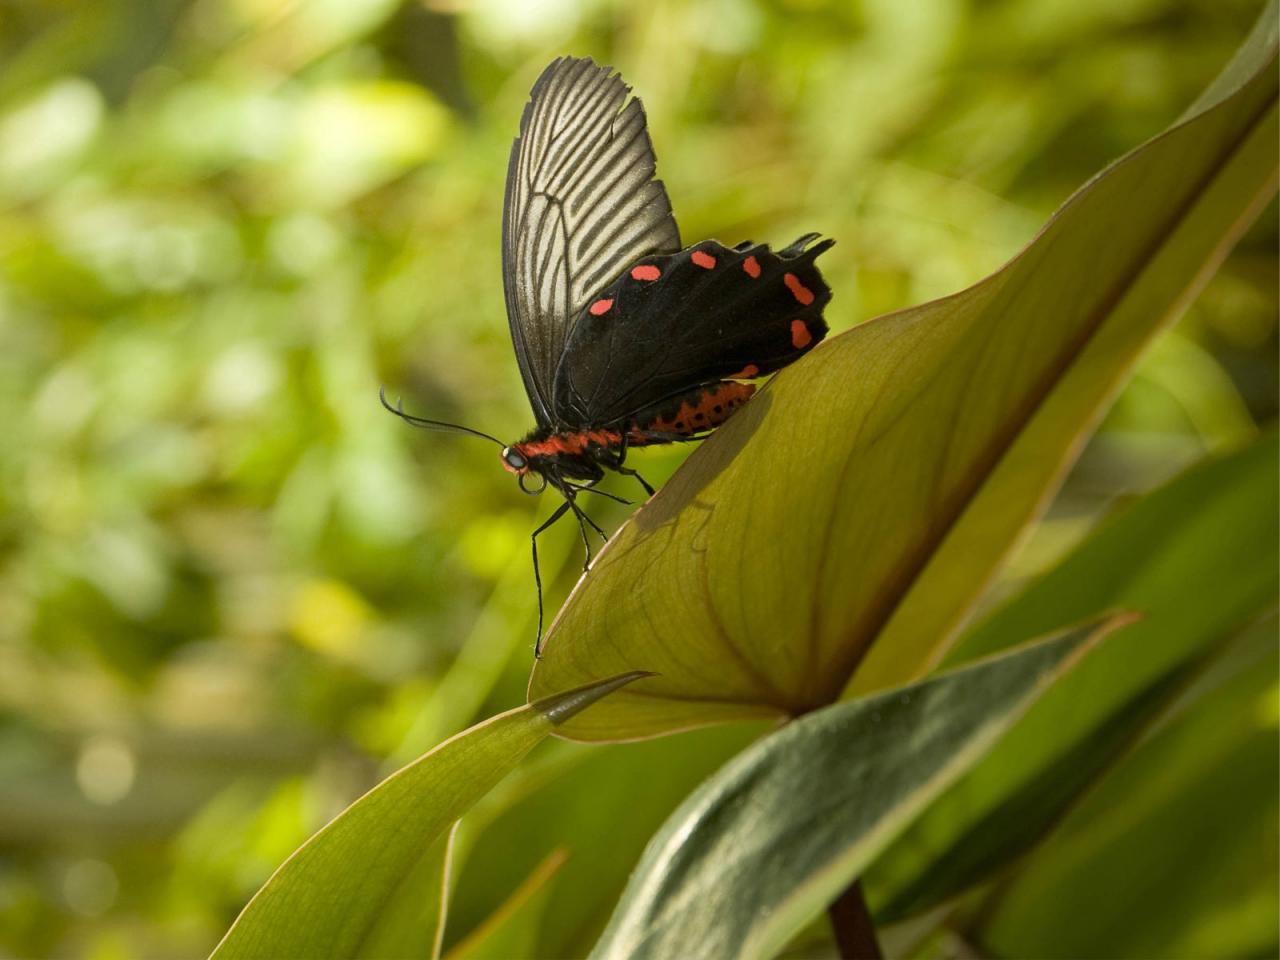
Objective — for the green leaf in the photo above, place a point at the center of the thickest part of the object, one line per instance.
(410, 923)
(1196, 560)
(512, 931)
(601, 805)
(831, 538)
(1174, 854)
(767, 843)
(328, 899)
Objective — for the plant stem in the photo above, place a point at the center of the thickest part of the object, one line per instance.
(855, 933)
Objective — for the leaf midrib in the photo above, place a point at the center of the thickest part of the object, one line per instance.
(985, 465)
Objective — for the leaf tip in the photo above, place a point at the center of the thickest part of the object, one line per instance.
(560, 707)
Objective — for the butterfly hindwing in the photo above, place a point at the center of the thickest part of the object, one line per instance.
(581, 205)
(670, 324)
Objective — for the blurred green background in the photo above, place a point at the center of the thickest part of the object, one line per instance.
(232, 588)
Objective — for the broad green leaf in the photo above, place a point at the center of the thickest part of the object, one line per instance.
(329, 897)
(512, 931)
(601, 805)
(771, 839)
(411, 922)
(1175, 853)
(831, 538)
(1196, 560)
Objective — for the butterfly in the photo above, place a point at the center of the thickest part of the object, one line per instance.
(625, 338)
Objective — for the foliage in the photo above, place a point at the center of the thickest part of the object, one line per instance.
(236, 594)
(374, 882)
(1210, 527)
(774, 837)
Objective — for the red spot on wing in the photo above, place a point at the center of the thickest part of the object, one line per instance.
(600, 307)
(752, 266)
(645, 271)
(746, 373)
(800, 335)
(803, 294)
(705, 260)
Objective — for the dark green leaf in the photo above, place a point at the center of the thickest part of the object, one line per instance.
(768, 842)
(1197, 559)
(512, 931)
(1175, 853)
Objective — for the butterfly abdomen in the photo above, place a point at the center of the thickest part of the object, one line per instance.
(694, 412)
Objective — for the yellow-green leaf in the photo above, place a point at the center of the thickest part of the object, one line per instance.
(833, 536)
(329, 897)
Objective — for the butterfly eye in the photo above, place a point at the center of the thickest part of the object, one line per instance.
(513, 459)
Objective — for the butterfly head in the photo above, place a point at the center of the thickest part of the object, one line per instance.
(513, 461)
(516, 461)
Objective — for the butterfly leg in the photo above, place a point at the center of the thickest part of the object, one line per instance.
(571, 490)
(583, 522)
(587, 488)
(537, 574)
(627, 471)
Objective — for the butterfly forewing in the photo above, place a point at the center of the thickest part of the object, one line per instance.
(581, 207)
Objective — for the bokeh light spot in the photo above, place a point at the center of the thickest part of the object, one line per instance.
(90, 887)
(105, 769)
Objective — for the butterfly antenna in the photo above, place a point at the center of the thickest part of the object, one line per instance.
(425, 424)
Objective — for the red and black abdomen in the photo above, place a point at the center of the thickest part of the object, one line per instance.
(689, 414)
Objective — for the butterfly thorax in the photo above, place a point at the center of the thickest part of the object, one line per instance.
(573, 453)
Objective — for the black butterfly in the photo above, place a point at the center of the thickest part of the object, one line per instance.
(624, 339)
